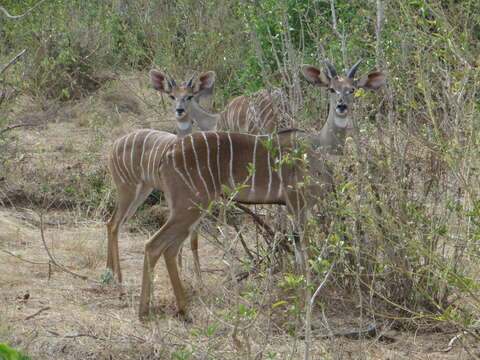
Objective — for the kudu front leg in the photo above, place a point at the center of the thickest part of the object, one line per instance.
(129, 199)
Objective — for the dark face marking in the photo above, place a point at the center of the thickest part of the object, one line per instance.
(342, 89)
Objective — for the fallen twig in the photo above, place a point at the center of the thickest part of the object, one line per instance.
(38, 312)
(8, 15)
(451, 342)
(22, 259)
(14, 60)
(54, 262)
(71, 336)
(11, 127)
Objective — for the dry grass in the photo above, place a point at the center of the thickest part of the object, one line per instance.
(88, 320)
(85, 320)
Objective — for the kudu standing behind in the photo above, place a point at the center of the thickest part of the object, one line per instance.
(195, 168)
(254, 115)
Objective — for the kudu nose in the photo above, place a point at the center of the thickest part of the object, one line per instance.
(342, 107)
(179, 111)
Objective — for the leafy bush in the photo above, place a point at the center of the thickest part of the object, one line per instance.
(7, 353)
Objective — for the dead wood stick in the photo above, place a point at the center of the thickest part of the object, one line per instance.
(15, 17)
(14, 60)
(38, 312)
(22, 259)
(54, 261)
(257, 219)
(11, 127)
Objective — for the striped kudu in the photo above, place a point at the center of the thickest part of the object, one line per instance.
(254, 115)
(133, 188)
(135, 158)
(193, 171)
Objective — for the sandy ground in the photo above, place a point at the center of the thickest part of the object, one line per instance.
(51, 314)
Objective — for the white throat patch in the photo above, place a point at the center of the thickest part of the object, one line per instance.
(184, 125)
(341, 122)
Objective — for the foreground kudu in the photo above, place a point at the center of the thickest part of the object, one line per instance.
(193, 170)
(254, 115)
(133, 162)
(133, 188)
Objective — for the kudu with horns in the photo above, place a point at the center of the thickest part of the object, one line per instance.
(193, 170)
(240, 114)
(254, 115)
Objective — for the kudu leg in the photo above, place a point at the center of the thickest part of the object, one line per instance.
(167, 242)
(129, 199)
(196, 261)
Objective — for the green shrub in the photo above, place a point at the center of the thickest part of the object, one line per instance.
(7, 353)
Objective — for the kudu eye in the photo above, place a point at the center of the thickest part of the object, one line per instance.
(171, 97)
(189, 97)
(332, 90)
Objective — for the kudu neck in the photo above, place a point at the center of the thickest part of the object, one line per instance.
(205, 120)
(184, 127)
(332, 136)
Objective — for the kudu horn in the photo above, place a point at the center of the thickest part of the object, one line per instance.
(352, 71)
(331, 69)
(190, 81)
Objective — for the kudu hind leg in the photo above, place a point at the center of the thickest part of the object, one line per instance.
(129, 199)
(196, 260)
(167, 242)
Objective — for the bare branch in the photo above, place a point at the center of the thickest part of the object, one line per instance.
(15, 17)
(54, 261)
(11, 127)
(341, 36)
(13, 61)
(22, 259)
(380, 21)
(37, 312)
(266, 228)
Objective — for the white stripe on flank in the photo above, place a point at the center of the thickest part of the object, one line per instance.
(132, 153)
(280, 177)
(232, 181)
(198, 166)
(218, 159)
(143, 152)
(254, 168)
(208, 162)
(120, 167)
(269, 175)
(150, 176)
(155, 166)
(123, 157)
(179, 172)
(186, 168)
(264, 119)
(116, 163)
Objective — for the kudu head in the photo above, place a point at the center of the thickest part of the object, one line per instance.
(183, 94)
(342, 87)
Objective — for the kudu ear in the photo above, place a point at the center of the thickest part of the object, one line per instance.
(373, 81)
(315, 76)
(204, 85)
(160, 81)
